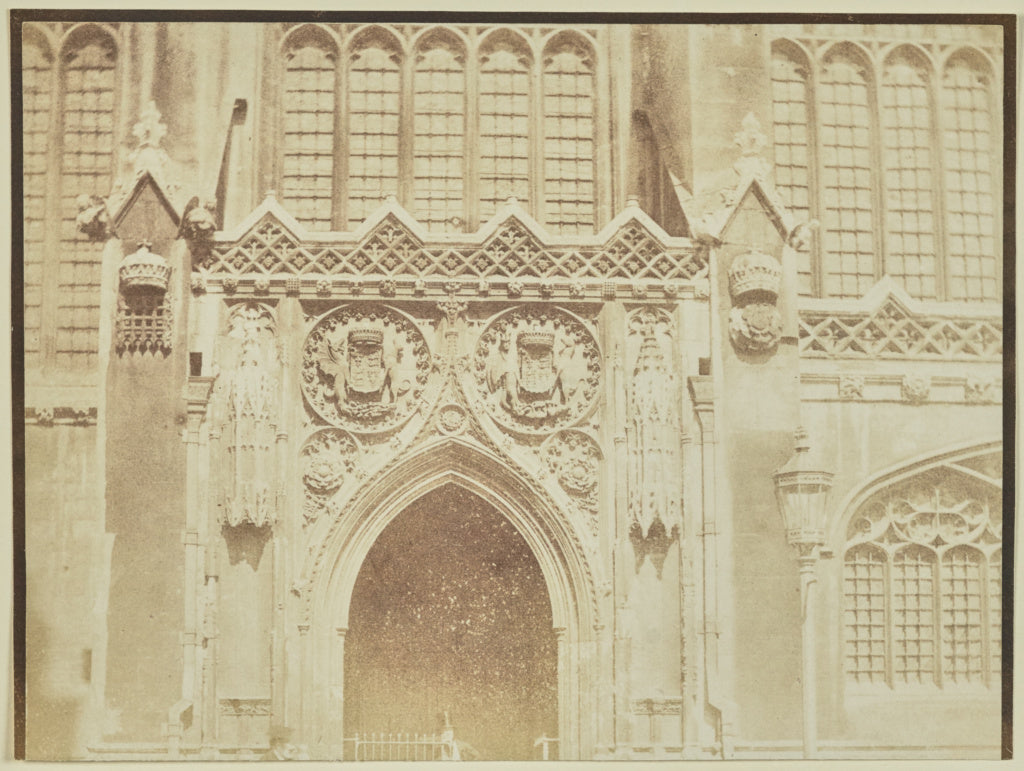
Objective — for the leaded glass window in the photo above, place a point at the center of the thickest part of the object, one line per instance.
(309, 99)
(373, 109)
(439, 123)
(504, 128)
(37, 103)
(87, 146)
(922, 583)
(568, 140)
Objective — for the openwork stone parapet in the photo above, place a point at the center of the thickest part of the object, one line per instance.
(510, 253)
(888, 324)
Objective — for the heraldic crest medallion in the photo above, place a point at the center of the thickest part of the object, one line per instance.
(537, 369)
(364, 368)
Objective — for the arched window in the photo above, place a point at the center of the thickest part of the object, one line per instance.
(88, 66)
(870, 173)
(37, 104)
(373, 110)
(568, 79)
(968, 147)
(908, 163)
(921, 582)
(847, 176)
(308, 101)
(791, 121)
(439, 124)
(504, 127)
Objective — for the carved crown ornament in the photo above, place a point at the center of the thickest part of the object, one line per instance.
(755, 324)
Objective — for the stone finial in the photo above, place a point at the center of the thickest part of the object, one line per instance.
(150, 131)
(751, 141)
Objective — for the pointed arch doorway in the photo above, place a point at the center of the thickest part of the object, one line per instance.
(316, 700)
(450, 616)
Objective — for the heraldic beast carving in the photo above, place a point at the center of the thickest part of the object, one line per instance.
(537, 369)
(365, 369)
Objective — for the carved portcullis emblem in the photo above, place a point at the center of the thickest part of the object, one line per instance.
(537, 369)
(365, 367)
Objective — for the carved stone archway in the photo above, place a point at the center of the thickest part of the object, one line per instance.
(332, 571)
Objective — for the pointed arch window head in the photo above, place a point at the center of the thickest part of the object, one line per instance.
(568, 80)
(374, 83)
(897, 167)
(968, 144)
(791, 123)
(309, 103)
(88, 73)
(847, 177)
(439, 123)
(504, 132)
(37, 104)
(908, 163)
(921, 583)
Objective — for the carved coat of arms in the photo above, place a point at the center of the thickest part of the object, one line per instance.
(539, 372)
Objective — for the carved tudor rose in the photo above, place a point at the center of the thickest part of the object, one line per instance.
(537, 369)
(364, 367)
(574, 459)
(755, 324)
(328, 456)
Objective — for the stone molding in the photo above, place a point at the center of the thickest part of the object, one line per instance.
(60, 416)
(900, 387)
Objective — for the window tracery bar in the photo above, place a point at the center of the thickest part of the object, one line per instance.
(913, 620)
(87, 156)
(792, 164)
(568, 141)
(907, 160)
(921, 581)
(373, 108)
(504, 129)
(307, 179)
(967, 144)
(439, 124)
(37, 101)
(962, 635)
(845, 131)
(864, 588)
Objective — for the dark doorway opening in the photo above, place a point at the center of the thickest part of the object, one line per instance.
(450, 613)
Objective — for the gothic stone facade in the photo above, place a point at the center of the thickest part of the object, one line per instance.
(592, 279)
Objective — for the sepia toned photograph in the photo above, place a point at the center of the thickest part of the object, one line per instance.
(404, 387)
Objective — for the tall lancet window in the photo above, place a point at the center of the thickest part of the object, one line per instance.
(308, 101)
(968, 144)
(792, 144)
(847, 179)
(568, 148)
(908, 162)
(504, 126)
(37, 103)
(88, 67)
(439, 124)
(373, 109)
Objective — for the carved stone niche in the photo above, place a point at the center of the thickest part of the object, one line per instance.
(755, 324)
(144, 320)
